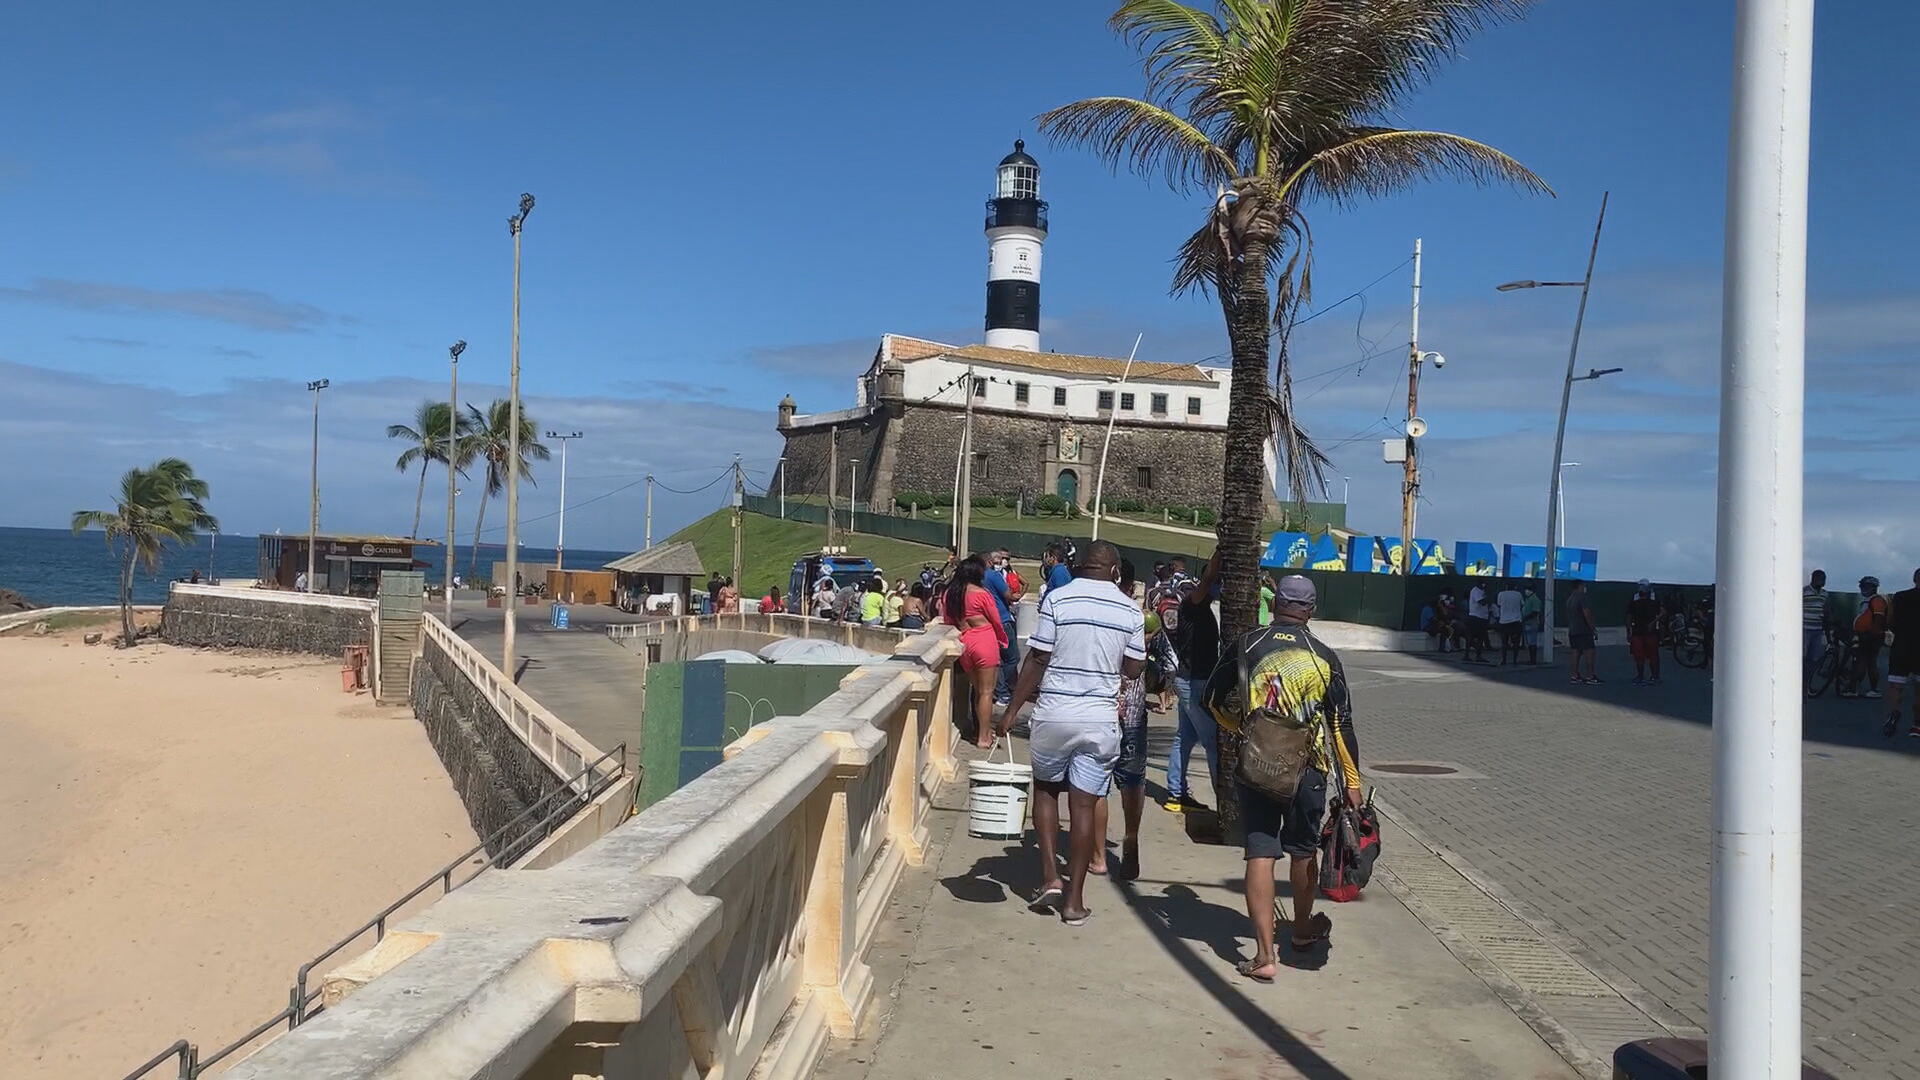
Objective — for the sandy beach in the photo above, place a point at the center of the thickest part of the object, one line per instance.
(183, 830)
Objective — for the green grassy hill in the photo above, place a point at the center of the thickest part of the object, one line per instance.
(769, 546)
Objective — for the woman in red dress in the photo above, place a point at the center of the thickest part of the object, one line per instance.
(969, 606)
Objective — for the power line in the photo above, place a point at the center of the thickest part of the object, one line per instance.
(1355, 294)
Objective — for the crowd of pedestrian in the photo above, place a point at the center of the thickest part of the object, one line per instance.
(1090, 662)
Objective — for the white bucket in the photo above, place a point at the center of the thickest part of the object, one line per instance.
(997, 793)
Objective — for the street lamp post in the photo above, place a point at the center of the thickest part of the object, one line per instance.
(1564, 466)
(1106, 442)
(1754, 937)
(313, 507)
(514, 224)
(453, 460)
(560, 542)
(1560, 431)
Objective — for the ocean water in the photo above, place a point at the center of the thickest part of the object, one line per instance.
(53, 567)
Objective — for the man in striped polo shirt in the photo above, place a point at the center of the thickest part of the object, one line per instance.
(1089, 635)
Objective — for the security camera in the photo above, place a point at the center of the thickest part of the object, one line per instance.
(1438, 360)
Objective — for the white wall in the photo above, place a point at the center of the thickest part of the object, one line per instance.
(924, 377)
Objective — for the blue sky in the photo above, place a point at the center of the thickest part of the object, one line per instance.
(210, 204)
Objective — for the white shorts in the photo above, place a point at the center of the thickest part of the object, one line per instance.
(1080, 754)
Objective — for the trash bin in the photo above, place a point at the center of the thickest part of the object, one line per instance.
(1675, 1059)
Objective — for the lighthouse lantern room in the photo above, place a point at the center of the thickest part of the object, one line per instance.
(1016, 232)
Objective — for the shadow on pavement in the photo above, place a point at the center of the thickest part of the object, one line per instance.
(1179, 915)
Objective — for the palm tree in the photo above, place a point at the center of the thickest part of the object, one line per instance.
(1264, 105)
(155, 505)
(489, 434)
(428, 437)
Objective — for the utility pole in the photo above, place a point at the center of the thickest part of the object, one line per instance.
(453, 460)
(1410, 483)
(963, 499)
(649, 544)
(783, 486)
(560, 543)
(739, 490)
(513, 449)
(313, 514)
(1754, 942)
(833, 478)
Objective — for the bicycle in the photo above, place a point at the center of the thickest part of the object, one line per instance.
(1834, 665)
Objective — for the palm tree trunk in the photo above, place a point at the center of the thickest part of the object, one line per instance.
(126, 599)
(473, 554)
(1243, 476)
(1242, 493)
(419, 499)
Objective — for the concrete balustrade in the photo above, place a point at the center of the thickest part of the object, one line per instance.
(721, 933)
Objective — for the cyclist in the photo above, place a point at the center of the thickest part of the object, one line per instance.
(1869, 633)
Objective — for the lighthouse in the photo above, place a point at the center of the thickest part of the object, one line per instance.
(1016, 231)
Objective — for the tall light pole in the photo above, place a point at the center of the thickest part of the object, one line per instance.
(1753, 953)
(649, 544)
(560, 542)
(1560, 432)
(739, 502)
(1564, 466)
(453, 459)
(1346, 491)
(963, 493)
(313, 509)
(514, 224)
(1106, 441)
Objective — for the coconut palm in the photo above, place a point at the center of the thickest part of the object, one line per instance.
(428, 436)
(156, 505)
(1265, 105)
(489, 433)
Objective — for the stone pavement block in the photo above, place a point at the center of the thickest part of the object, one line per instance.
(1594, 814)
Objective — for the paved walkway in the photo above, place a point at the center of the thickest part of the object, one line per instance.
(982, 987)
(587, 679)
(1589, 807)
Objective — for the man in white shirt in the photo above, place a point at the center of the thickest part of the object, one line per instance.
(1509, 609)
(1477, 613)
(1088, 637)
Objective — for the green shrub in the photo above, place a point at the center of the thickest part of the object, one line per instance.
(908, 500)
(1128, 506)
(988, 502)
(1050, 504)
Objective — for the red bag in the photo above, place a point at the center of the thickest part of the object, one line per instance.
(1349, 846)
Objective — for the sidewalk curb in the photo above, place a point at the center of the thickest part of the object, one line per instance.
(1592, 1061)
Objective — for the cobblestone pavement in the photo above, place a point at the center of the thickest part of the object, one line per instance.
(1593, 812)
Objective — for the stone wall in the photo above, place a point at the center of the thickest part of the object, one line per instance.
(918, 453)
(808, 452)
(1185, 461)
(225, 617)
(496, 773)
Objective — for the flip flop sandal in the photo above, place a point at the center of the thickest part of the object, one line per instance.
(1245, 968)
(1322, 930)
(1076, 920)
(1048, 900)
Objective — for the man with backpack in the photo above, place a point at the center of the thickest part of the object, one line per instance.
(1286, 694)
(1869, 633)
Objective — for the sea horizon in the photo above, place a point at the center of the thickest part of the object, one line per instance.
(60, 568)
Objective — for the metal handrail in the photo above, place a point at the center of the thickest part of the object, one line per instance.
(299, 999)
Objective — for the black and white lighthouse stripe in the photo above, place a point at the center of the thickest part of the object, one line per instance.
(1016, 233)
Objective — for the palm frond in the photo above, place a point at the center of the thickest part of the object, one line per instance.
(105, 520)
(1372, 162)
(1146, 138)
(1177, 42)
